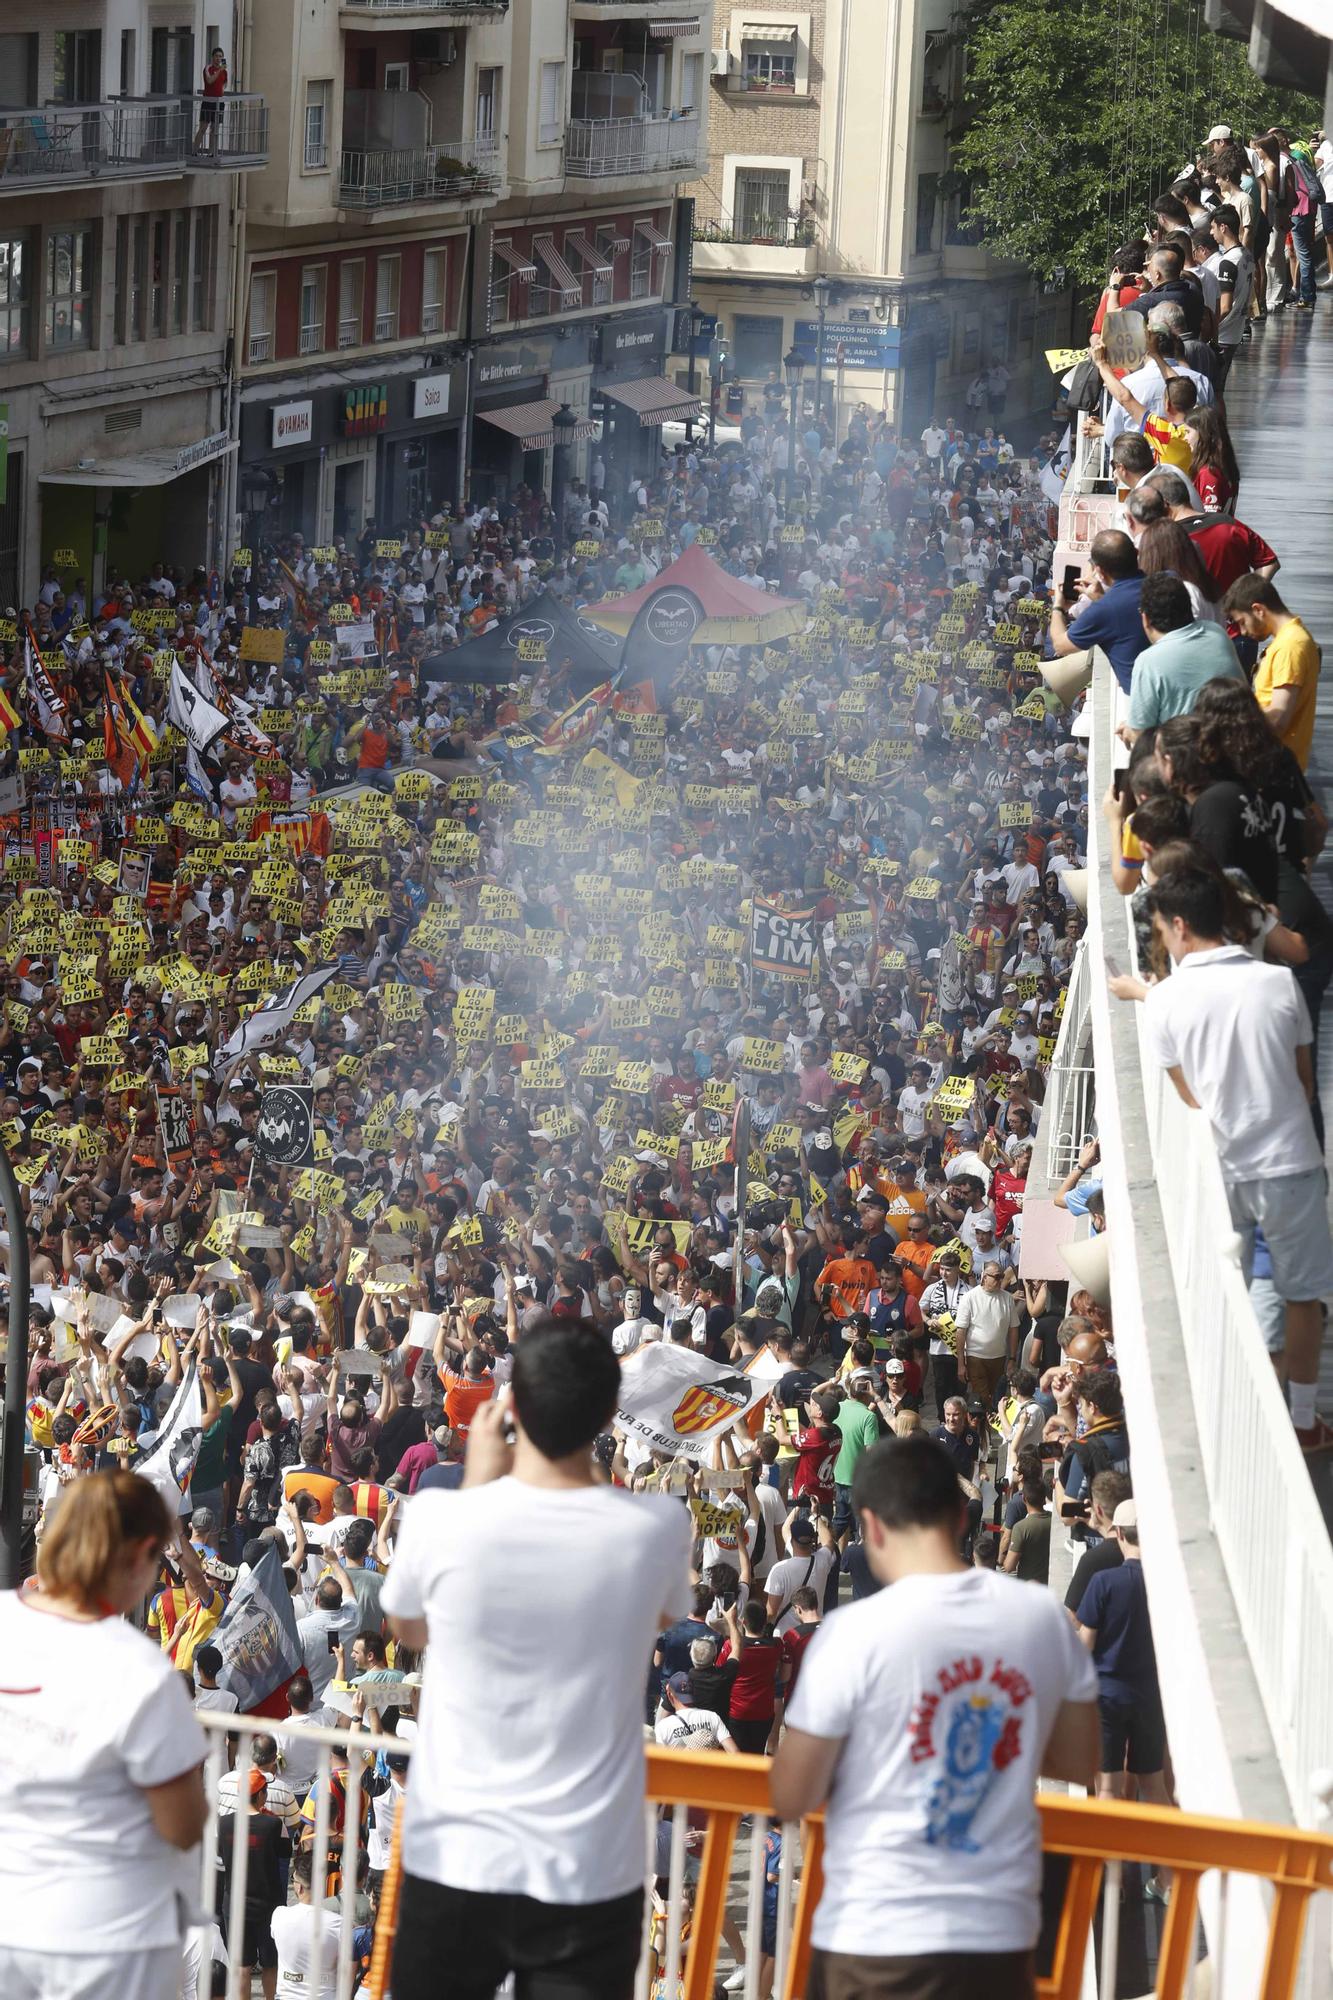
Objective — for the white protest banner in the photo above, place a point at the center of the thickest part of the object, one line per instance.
(678, 1403)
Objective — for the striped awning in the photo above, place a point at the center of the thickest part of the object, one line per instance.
(530, 423)
(519, 265)
(596, 260)
(768, 31)
(653, 399)
(652, 235)
(673, 31)
(563, 279)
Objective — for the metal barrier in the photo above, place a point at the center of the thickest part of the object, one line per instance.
(455, 170)
(682, 1928)
(1261, 1507)
(597, 147)
(1066, 1114)
(129, 139)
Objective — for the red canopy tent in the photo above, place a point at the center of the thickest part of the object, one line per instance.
(735, 613)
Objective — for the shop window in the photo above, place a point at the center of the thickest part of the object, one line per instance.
(434, 269)
(388, 276)
(263, 298)
(757, 345)
(927, 198)
(315, 154)
(314, 296)
(201, 269)
(15, 293)
(769, 65)
(351, 293)
(70, 275)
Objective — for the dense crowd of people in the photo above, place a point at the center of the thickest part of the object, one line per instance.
(281, 860)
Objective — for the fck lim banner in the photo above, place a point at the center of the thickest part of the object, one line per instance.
(782, 942)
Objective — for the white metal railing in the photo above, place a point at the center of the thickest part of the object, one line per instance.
(312, 339)
(671, 1855)
(1263, 1510)
(260, 347)
(349, 332)
(597, 147)
(1066, 1112)
(424, 6)
(128, 139)
(454, 170)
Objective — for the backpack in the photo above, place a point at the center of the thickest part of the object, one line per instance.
(1309, 187)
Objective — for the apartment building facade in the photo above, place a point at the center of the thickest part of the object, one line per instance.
(830, 202)
(117, 201)
(469, 221)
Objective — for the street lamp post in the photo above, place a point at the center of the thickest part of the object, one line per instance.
(563, 426)
(793, 367)
(697, 318)
(822, 289)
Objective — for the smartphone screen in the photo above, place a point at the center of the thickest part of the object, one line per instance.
(1072, 574)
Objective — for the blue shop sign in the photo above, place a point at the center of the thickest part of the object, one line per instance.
(853, 343)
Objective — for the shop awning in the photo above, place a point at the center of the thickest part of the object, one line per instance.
(519, 265)
(652, 235)
(653, 399)
(673, 31)
(768, 31)
(530, 423)
(142, 468)
(583, 246)
(565, 282)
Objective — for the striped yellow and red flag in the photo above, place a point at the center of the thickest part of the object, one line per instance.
(9, 715)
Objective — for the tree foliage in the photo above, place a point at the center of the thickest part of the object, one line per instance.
(1077, 115)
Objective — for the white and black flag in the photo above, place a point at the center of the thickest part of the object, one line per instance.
(270, 1022)
(169, 1461)
(199, 720)
(782, 942)
(285, 1134)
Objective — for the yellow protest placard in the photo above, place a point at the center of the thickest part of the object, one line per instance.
(766, 1057)
(262, 643)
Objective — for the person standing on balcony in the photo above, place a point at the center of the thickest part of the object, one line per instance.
(921, 1721)
(1234, 1037)
(210, 103)
(523, 1842)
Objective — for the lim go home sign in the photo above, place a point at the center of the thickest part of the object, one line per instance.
(365, 410)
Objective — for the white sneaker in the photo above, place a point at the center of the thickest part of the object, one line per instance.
(735, 1982)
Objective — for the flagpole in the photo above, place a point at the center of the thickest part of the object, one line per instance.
(16, 1376)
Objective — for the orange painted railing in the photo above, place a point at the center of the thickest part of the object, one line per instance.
(1090, 1833)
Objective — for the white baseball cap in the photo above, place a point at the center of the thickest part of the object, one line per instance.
(1219, 132)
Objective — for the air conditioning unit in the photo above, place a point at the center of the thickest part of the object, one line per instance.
(719, 62)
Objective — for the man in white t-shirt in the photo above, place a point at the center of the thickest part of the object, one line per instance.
(307, 1940)
(682, 1726)
(525, 1839)
(921, 1721)
(809, 1565)
(1234, 1037)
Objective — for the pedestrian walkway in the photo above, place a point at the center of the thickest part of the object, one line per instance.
(1279, 404)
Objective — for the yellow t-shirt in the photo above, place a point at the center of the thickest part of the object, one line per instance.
(1170, 441)
(1291, 659)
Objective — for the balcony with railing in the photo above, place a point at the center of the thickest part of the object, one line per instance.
(777, 244)
(1253, 1887)
(400, 12)
(616, 148)
(1239, 1570)
(454, 170)
(130, 138)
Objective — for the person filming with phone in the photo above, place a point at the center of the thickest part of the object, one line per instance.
(1101, 608)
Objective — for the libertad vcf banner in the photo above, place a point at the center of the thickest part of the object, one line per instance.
(782, 942)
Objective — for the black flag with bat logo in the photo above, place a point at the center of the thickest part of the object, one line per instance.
(285, 1133)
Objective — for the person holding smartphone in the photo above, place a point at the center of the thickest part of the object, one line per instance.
(1102, 608)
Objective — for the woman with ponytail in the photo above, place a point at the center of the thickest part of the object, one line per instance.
(101, 1786)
